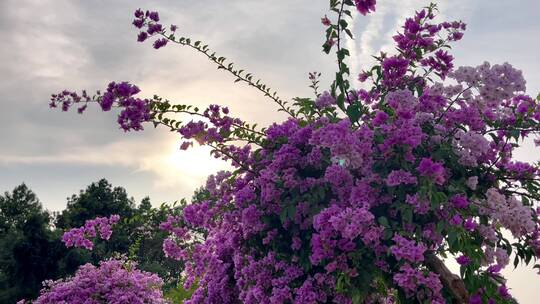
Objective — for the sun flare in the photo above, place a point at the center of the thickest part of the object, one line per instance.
(196, 161)
(181, 170)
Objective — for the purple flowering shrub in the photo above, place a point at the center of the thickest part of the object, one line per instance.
(80, 237)
(113, 282)
(358, 196)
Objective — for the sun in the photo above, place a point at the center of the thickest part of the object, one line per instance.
(181, 170)
(196, 160)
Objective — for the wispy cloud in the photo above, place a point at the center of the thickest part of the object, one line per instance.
(368, 35)
(172, 168)
(354, 64)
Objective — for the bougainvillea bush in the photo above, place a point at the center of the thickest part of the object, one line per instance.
(113, 281)
(360, 194)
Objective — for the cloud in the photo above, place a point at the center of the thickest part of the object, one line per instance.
(172, 168)
(49, 45)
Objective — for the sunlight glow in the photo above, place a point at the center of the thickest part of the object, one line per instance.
(183, 170)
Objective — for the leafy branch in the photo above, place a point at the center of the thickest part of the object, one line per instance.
(341, 88)
(334, 36)
(241, 131)
(240, 74)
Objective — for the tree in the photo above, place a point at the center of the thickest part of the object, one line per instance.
(16, 207)
(29, 250)
(137, 234)
(147, 242)
(359, 195)
(98, 199)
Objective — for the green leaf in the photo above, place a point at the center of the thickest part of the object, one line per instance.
(358, 298)
(343, 23)
(420, 90)
(383, 221)
(287, 212)
(326, 48)
(349, 33)
(407, 215)
(528, 258)
(388, 234)
(340, 101)
(437, 199)
(515, 134)
(353, 113)
(452, 238)
(340, 55)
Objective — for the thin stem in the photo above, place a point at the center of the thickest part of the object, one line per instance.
(239, 126)
(237, 73)
(230, 156)
(338, 45)
(520, 193)
(451, 104)
(217, 149)
(499, 156)
(511, 129)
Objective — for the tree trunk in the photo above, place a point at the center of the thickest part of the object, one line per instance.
(453, 283)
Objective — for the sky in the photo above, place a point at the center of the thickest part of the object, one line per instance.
(51, 45)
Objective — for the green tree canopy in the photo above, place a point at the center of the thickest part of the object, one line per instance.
(99, 199)
(17, 207)
(29, 250)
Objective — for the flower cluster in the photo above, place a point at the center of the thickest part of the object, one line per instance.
(80, 237)
(135, 111)
(150, 20)
(420, 34)
(510, 213)
(409, 279)
(219, 126)
(325, 100)
(365, 6)
(113, 281)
